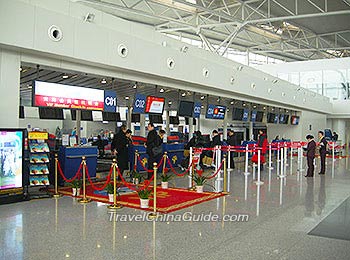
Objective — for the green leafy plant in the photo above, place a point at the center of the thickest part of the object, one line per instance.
(199, 178)
(165, 177)
(136, 175)
(75, 184)
(145, 192)
(110, 188)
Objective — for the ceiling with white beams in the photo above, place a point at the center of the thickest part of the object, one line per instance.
(284, 29)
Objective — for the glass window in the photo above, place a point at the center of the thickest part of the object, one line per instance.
(334, 76)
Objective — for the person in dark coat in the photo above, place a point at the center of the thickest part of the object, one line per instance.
(310, 155)
(232, 141)
(119, 147)
(153, 140)
(335, 137)
(100, 147)
(323, 151)
(214, 142)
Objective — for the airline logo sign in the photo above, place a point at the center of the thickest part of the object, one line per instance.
(253, 116)
(210, 111)
(63, 96)
(110, 101)
(139, 104)
(197, 109)
(245, 115)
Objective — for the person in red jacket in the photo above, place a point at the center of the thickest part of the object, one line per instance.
(262, 145)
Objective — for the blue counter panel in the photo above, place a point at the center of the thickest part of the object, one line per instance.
(70, 159)
(175, 153)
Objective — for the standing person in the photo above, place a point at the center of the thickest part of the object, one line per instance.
(232, 141)
(323, 151)
(310, 155)
(119, 147)
(262, 144)
(214, 142)
(161, 135)
(100, 147)
(335, 137)
(153, 140)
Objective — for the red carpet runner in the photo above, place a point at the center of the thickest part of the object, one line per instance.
(168, 200)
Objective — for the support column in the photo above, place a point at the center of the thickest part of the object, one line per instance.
(190, 127)
(167, 125)
(78, 125)
(225, 126)
(9, 88)
(250, 130)
(128, 116)
(339, 126)
(142, 125)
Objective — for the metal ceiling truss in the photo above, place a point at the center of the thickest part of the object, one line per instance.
(251, 24)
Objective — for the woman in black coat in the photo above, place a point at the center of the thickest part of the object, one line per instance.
(310, 155)
(153, 140)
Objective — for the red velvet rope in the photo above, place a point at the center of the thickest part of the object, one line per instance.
(218, 170)
(104, 185)
(178, 174)
(64, 177)
(159, 164)
(131, 186)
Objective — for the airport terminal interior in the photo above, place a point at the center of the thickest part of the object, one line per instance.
(182, 129)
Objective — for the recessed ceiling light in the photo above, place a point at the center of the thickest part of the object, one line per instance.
(170, 102)
(161, 90)
(228, 110)
(254, 106)
(253, 86)
(264, 108)
(127, 97)
(202, 97)
(103, 81)
(218, 100)
(287, 111)
(232, 102)
(65, 76)
(183, 94)
(269, 90)
(20, 68)
(272, 109)
(202, 106)
(244, 104)
(29, 86)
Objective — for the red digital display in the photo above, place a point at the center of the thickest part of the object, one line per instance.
(154, 105)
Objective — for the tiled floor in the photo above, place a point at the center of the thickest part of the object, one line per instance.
(280, 217)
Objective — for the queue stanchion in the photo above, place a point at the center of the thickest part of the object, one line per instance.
(246, 174)
(270, 157)
(298, 164)
(154, 215)
(259, 182)
(225, 188)
(301, 160)
(84, 200)
(286, 155)
(254, 169)
(190, 175)
(285, 162)
(135, 159)
(291, 161)
(229, 158)
(56, 195)
(333, 151)
(115, 204)
(164, 162)
(278, 152)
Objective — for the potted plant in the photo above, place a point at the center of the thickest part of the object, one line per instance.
(165, 180)
(200, 180)
(76, 185)
(136, 177)
(144, 195)
(110, 191)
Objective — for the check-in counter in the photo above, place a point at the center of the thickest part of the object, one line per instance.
(71, 157)
(175, 153)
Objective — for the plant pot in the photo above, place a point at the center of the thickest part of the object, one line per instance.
(144, 203)
(199, 189)
(164, 184)
(76, 192)
(111, 198)
(135, 181)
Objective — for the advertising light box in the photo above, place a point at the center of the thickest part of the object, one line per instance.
(154, 105)
(71, 97)
(11, 159)
(215, 112)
